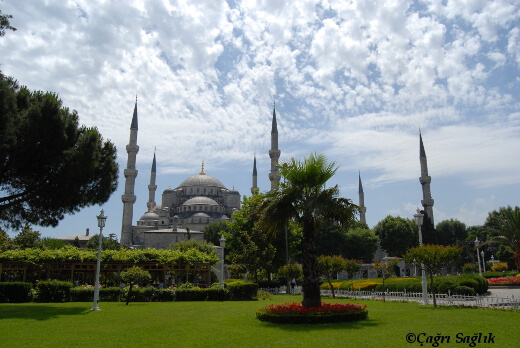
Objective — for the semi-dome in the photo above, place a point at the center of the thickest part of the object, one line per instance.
(200, 201)
(149, 217)
(200, 215)
(201, 180)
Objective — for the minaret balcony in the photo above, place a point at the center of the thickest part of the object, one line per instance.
(130, 173)
(131, 148)
(128, 198)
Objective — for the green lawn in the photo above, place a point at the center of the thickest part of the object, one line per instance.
(233, 324)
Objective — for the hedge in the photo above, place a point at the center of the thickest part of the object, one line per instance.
(240, 290)
(53, 291)
(443, 284)
(15, 292)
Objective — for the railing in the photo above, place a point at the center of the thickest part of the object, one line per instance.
(404, 296)
(442, 299)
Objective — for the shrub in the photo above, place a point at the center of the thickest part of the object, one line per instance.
(469, 268)
(500, 266)
(294, 313)
(217, 294)
(142, 294)
(267, 284)
(463, 290)
(193, 294)
(53, 291)
(263, 295)
(240, 290)
(481, 286)
(164, 295)
(15, 292)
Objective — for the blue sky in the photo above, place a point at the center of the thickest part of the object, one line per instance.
(354, 80)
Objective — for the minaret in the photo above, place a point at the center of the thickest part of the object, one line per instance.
(254, 188)
(152, 187)
(425, 179)
(274, 153)
(362, 208)
(130, 173)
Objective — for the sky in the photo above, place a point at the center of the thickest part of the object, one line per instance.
(353, 80)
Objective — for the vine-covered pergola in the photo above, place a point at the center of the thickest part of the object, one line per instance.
(79, 266)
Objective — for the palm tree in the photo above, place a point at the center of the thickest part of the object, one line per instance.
(302, 196)
(504, 225)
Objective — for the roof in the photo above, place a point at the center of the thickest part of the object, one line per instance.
(202, 180)
(79, 236)
(200, 200)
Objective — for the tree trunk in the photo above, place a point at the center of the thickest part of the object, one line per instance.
(311, 278)
(433, 290)
(129, 294)
(331, 288)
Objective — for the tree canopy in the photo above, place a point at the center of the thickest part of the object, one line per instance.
(49, 165)
(5, 23)
(504, 226)
(396, 235)
(302, 197)
(433, 258)
(450, 232)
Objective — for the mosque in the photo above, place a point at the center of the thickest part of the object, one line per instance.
(202, 199)
(185, 210)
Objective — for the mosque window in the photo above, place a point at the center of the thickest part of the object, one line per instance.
(204, 190)
(197, 190)
(200, 220)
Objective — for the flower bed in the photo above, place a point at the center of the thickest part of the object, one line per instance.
(294, 313)
(510, 281)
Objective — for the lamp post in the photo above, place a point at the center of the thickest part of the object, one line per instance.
(101, 218)
(483, 261)
(477, 243)
(222, 241)
(419, 221)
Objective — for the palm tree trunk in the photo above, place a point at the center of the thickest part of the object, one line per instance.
(311, 278)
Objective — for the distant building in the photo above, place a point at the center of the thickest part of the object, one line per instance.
(80, 240)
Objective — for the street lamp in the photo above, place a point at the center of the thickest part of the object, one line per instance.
(101, 218)
(477, 243)
(222, 241)
(419, 221)
(483, 261)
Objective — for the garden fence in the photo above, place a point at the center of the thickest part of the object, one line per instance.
(442, 299)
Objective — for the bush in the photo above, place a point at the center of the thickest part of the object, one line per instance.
(267, 284)
(469, 268)
(463, 290)
(164, 295)
(15, 292)
(481, 286)
(500, 266)
(53, 291)
(217, 294)
(193, 294)
(241, 290)
(445, 285)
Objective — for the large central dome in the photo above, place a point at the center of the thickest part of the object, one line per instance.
(201, 180)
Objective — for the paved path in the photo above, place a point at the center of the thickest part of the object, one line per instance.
(505, 292)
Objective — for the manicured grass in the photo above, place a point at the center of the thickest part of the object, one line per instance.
(233, 324)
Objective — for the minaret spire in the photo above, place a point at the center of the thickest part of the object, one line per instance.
(254, 188)
(362, 208)
(425, 180)
(152, 187)
(274, 153)
(130, 173)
